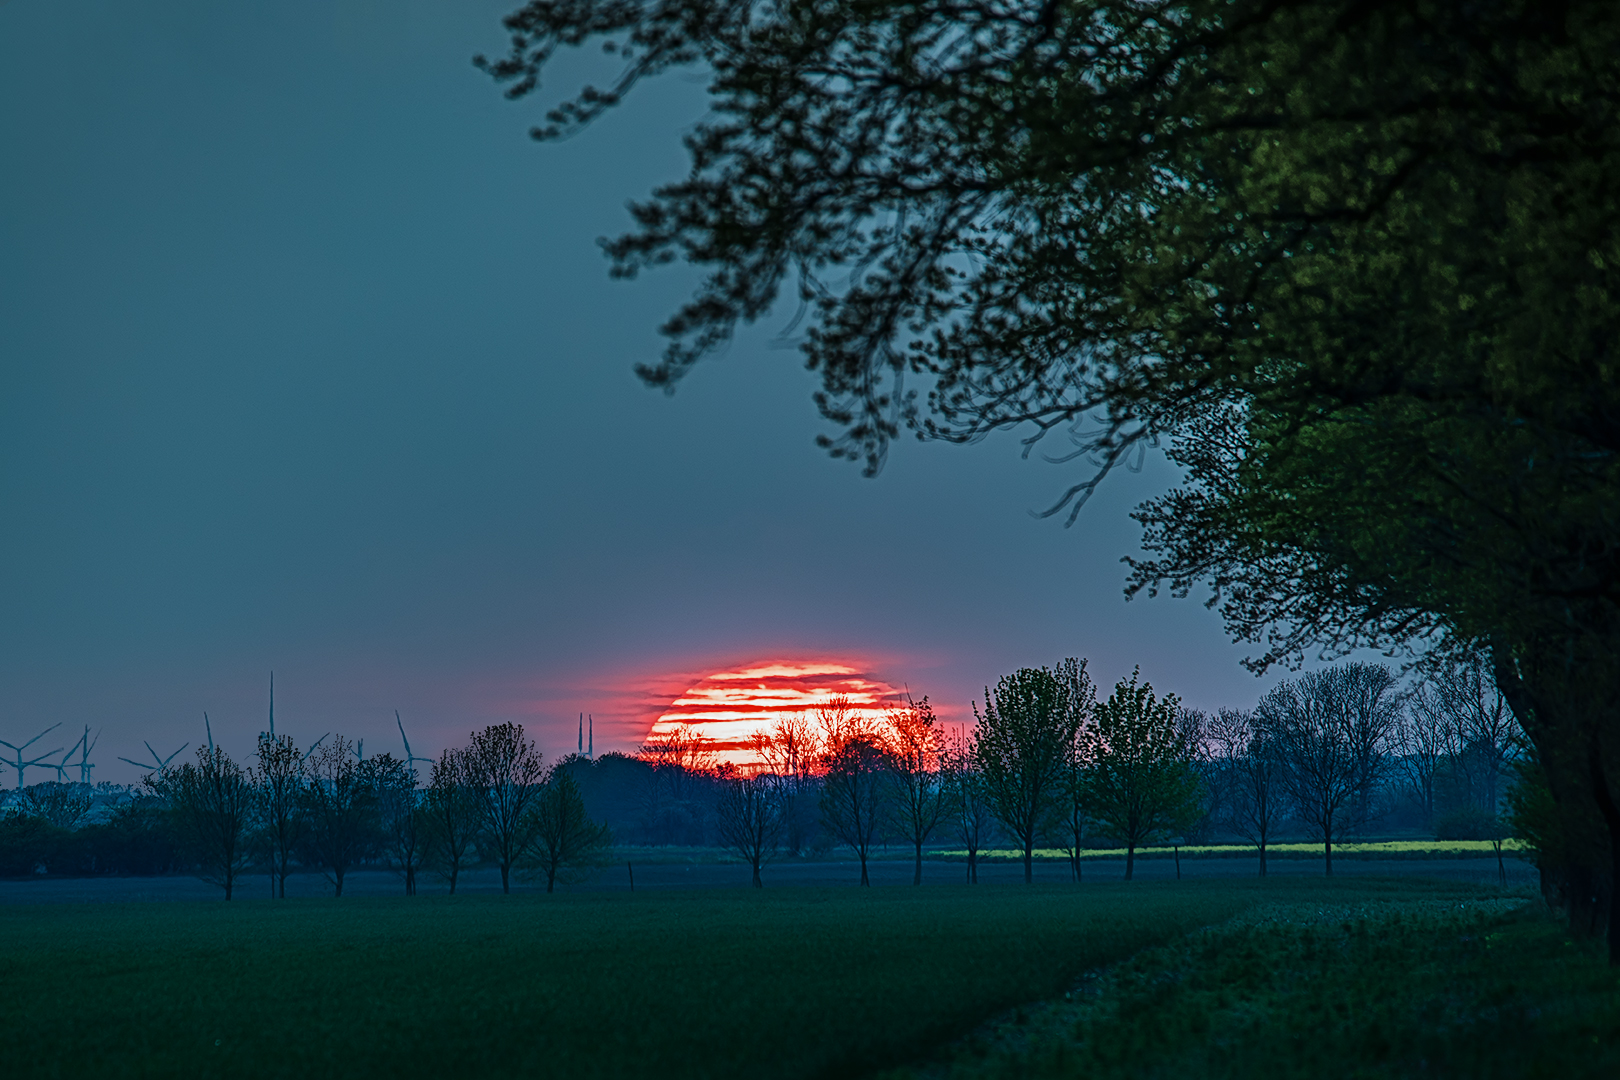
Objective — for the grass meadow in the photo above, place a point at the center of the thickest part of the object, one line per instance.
(1373, 849)
(1387, 988)
(736, 983)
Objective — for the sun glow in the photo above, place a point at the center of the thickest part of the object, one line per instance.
(728, 707)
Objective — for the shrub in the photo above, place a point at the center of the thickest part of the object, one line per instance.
(26, 844)
(1469, 823)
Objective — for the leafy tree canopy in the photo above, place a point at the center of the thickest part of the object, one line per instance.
(1357, 259)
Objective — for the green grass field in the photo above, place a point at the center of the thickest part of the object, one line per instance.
(781, 983)
(1376, 849)
(1391, 988)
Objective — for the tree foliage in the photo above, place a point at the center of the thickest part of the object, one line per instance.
(918, 801)
(1140, 784)
(855, 777)
(340, 805)
(211, 802)
(1024, 739)
(563, 840)
(505, 774)
(280, 779)
(453, 810)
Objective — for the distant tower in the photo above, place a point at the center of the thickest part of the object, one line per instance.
(581, 747)
(272, 708)
(590, 750)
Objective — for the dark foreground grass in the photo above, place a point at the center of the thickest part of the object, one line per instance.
(786, 983)
(1383, 989)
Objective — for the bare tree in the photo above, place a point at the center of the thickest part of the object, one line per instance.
(971, 818)
(1487, 734)
(340, 803)
(1249, 770)
(750, 816)
(1024, 739)
(678, 760)
(1428, 740)
(453, 811)
(564, 838)
(918, 801)
(789, 751)
(855, 777)
(1141, 785)
(280, 781)
(404, 826)
(211, 804)
(1329, 728)
(507, 774)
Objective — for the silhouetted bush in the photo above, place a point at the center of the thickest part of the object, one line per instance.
(1468, 823)
(137, 840)
(26, 844)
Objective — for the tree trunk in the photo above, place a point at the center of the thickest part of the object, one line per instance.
(1029, 861)
(1327, 850)
(455, 869)
(337, 881)
(864, 879)
(506, 883)
(1130, 859)
(1611, 818)
(916, 877)
(1262, 857)
(758, 884)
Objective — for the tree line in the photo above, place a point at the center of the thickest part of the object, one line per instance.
(1048, 763)
(1045, 764)
(327, 808)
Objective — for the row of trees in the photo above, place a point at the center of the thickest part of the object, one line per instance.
(1044, 759)
(494, 799)
(1048, 763)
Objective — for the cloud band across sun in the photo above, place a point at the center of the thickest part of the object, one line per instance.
(728, 707)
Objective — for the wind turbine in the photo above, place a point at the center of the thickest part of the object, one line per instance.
(83, 748)
(162, 762)
(409, 757)
(20, 765)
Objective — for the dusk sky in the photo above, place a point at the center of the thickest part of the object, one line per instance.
(309, 362)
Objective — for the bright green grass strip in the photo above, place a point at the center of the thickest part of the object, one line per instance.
(779, 983)
(1398, 848)
(1388, 989)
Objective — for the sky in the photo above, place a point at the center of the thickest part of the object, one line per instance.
(310, 363)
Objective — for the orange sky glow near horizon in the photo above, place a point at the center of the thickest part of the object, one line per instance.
(728, 707)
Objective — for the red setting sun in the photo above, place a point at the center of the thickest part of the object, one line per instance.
(727, 707)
